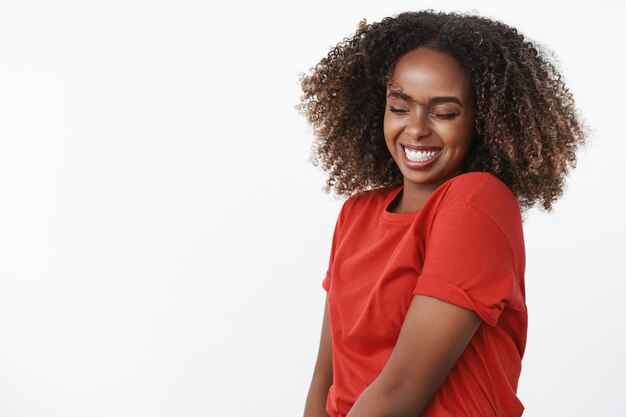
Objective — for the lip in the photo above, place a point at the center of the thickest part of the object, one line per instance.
(420, 165)
(420, 148)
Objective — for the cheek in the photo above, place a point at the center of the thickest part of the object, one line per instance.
(456, 135)
(391, 127)
(390, 132)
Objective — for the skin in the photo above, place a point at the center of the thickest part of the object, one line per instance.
(412, 117)
(434, 333)
(315, 405)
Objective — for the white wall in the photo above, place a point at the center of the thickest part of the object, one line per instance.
(163, 236)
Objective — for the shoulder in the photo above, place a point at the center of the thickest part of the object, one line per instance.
(482, 190)
(477, 185)
(485, 195)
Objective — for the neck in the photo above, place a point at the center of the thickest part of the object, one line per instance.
(413, 195)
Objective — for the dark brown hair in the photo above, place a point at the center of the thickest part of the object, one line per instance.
(527, 128)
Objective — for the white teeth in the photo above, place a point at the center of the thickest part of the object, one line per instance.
(420, 156)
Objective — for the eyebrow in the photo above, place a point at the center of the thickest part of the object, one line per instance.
(432, 100)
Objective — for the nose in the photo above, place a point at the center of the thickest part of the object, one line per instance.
(418, 124)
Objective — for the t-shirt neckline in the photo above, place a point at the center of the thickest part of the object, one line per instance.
(408, 217)
(396, 217)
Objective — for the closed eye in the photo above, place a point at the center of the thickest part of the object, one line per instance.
(394, 110)
(445, 116)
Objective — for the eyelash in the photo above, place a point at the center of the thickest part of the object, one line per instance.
(448, 116)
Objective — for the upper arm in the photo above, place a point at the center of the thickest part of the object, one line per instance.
(433, 336)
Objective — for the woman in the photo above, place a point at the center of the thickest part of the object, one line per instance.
(443, 129)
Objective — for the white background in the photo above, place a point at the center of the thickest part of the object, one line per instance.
(163, 236)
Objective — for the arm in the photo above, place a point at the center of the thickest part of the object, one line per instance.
(323, 373)
(433, 336)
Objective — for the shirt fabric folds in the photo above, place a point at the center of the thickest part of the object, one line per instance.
(464, 246)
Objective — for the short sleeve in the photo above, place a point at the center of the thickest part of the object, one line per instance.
(335, 242)
(468, 261)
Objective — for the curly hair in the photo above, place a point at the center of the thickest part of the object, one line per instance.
(527, 130)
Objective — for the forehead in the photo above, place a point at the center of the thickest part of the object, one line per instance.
(424, 72)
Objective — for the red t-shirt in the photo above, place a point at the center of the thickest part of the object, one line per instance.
(464, 246)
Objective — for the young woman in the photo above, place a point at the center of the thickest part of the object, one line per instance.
(442, 129)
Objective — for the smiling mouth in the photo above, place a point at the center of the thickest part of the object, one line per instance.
(424, 155)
